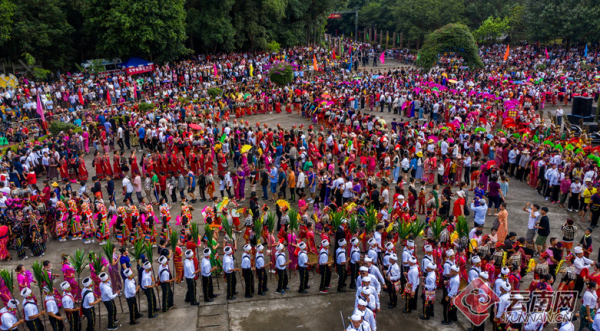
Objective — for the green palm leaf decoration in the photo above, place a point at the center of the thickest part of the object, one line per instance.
(416, 228)
(293, 214)
(9, 280)
(96, 260)
(370, 219)
(78, 261)
(208, 233)
(258, 229)
(271, 221)
(108, 249)
(195, 232)
(174, 239)
(138, 249)
(436, 228)
(228, 229)
(149, 252)
(336, 218)
(403, 230)
(353, 224)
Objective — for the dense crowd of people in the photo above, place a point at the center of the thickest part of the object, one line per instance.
(458, 138)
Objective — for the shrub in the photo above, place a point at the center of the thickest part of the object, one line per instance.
(214, 92)
(281, 73)
(540, 67)
(57, 126)
(146, 106)
(273, 46)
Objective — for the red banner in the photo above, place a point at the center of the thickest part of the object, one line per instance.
(334, 16)
(140, 69)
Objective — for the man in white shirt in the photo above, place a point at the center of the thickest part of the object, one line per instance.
(31, 311)
(534, 215)
(229, 272)
(164, 274)
(130, 288)
(189, 271)
(8, 317)
(148, 285)
(108, 300)
(206, 272)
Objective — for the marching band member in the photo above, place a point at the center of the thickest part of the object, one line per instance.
(429, 288)
(393, 276)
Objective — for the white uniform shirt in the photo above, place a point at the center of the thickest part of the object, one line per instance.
(30, 309)
(259, 262)
(340, 255)
(502, 305)
(8, 319)
(394, 272)
(430, 281)
(413, 277)
(147, 279)
(67, 301)
(88, 299)
(129, 288)
(474, 273)
(374, 283)
(368, 317)
(227, 263)
(51, 305)
(374, 271)
(106, 291)
(590, 298)
(453, 286)
(206, 267)
(164, 274)
(323, 256)
(280, 261)
(189, 268)
(302, 259)
(246, 261)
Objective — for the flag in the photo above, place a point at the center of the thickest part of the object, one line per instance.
(585, 55)
(546, 49)
(333, 55)
(387, 38)
(507, 52)
(315, 63)
(215, 69)
(40, 109)
(367, 36)
(108, 100)
(382, 58)
(80, 96)
(251, 70)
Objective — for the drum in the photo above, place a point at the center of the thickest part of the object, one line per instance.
(312, 258)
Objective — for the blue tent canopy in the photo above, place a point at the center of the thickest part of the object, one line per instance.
(135, 62)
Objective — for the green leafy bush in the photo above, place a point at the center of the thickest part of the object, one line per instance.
(146, 106)
(57, 126)
(273, 46)
(215, 92)
(282, 73)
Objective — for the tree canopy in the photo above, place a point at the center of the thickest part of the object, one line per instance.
(451, 38)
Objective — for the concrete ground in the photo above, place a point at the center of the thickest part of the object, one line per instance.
(293, 310)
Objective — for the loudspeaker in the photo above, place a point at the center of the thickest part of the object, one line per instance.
(576, 110)
(582, 106)
(574, 119)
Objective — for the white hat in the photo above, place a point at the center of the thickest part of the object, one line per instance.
(103, 276)
(342, 242)
(189, 254)
(354, 241)
(505, 286)
(128, 272)
(13, 303)
(455, 268)
(302, 245)
(366, 290)
(565, 316)
(87, 281)
(410, 243)
(324, 242)
(280, 247)
(389, 245)
(362, 302)
(367, 278)
(450, 252)
(401, 197)
(431, 265)
(505, 271)
(163, 259)
(247, 248)
(428, 248)
(147, 265)
(484, 275)
(26, 292)
(394, 257)
(65, 285)
(372, 242)
(578, 250)
(368, 259)
(356, 317)
(363, 268)
(228, 250)
(476, 259)
(412, 259)
(207, 252)
(260, 248)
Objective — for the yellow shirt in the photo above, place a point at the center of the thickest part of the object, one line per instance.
(587, 194)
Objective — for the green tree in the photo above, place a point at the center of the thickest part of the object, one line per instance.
(209, 24)
(578, 20)
(491, 29)
(151, 28)
(451, 38)
(40, 28)
(7, 10)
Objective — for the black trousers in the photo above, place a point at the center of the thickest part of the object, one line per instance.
(303, 271)
(112, 312)
(261, 274)
(595, 216)
(231, 282)
(190, 295)
(207, 288)
(74, 321)
(341, 271)
(134, 313)
(282, 280)
(35, 325)
(555, 191)
(247, 274)
(90, 315)
(56, 324)
(573, 202)
(325, 277)
(427, 307)
(393, 295)
(167, 296)
(353, 274)
(152, 306)
(449, 311)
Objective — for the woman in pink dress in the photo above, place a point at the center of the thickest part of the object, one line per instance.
(371, 164)
(24, 277)
(5, 295)
(94, 274)
(86, 140)
(292, 244)
(70, 277)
